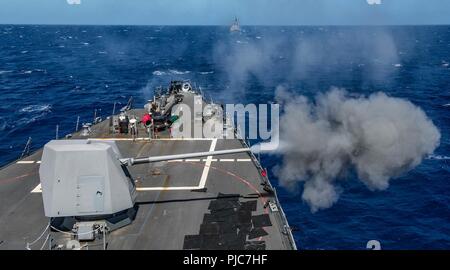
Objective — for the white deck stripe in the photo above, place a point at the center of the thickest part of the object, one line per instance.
(167, 188)
(192, 160)
(183, 139)
(175, 160)
(38, 162)
(148, 139)
(37, 189)
(212, 160)
(207, 165)
(25, 162)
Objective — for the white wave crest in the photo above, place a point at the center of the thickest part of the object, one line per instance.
(170, 72)
(159, 73)
(36, 108)
(177, 72)
(438, 157)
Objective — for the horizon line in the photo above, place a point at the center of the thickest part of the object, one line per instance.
(223, 25)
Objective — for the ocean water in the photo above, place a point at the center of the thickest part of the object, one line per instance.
(50, 75)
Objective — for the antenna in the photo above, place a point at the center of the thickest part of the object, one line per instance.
(78, 122)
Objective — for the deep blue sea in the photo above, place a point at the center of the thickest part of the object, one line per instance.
(50, 75)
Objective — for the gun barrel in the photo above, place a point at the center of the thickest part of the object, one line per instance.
(136, 161)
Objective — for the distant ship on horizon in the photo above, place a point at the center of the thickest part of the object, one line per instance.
(235, 26)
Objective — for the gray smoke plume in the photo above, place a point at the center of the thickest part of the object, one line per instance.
(307, 55)
(243, 60)
(379, 137)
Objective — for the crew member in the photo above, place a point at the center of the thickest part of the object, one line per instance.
(146, 119)
(133, 127)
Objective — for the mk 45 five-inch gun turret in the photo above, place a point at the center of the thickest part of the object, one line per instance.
(87, 182)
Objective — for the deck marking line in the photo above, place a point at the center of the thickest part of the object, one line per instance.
(243, 159)
(148, 139)
(175, 160)
(25, 162)
(192, 160)
(37, 189)
(202, 179)
(226, 159)
(167, 188)
(207, 165)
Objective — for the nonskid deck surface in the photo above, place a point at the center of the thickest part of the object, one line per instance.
(204, 203)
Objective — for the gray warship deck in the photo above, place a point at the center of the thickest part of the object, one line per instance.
(204, 203)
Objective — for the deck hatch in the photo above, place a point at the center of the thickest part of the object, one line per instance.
(90, 190)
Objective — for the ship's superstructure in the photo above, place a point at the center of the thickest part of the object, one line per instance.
(235, 27)
(137, 180)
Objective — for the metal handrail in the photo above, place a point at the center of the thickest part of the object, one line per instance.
(259, 166)
(26, 150)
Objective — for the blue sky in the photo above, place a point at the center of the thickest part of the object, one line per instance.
(219, 12)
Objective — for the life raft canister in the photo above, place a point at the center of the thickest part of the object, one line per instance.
(186, 87)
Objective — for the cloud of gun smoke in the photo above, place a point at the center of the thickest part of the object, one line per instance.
(379, 137)
(309, 54)
(242, 60)
(372, 50)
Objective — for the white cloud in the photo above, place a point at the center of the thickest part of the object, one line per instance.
(374, 2)
(73, 2)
